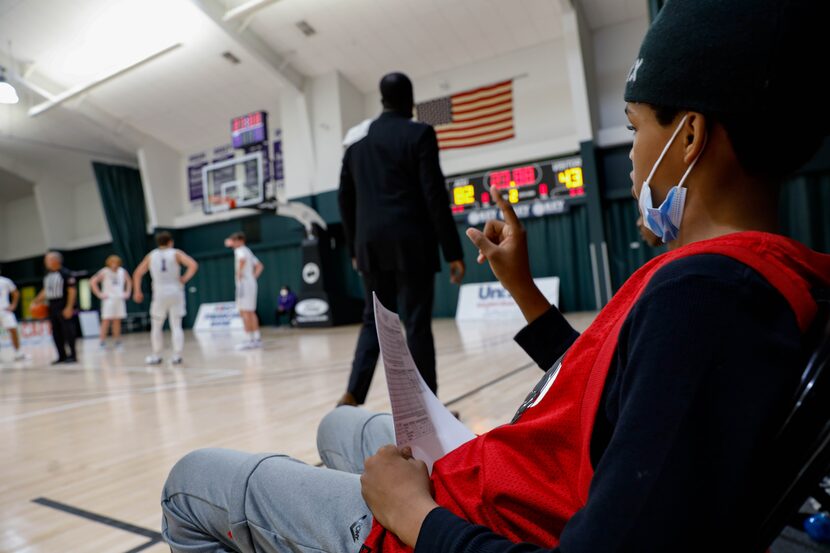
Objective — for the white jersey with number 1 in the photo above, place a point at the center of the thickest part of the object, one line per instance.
(6, 289)
(166, 272)
(246, 285)
(7, 318)
(244, 253)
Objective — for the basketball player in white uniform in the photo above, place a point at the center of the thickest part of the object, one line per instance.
(112, 286)
(9, 296)
(247, 269)
(165, 266)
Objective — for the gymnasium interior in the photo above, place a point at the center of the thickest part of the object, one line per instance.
(205, 118)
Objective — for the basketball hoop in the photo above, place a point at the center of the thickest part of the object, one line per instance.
(233, 183)
(221, 203)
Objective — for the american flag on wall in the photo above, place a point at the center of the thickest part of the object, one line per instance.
(471, 118)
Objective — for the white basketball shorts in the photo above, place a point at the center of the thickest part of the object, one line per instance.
(113, 308)
(167, 304)
(7, 319)
(246, 292)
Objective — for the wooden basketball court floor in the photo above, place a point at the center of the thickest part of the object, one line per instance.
(85, 449)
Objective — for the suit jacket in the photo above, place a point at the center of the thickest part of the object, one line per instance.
(393, 198)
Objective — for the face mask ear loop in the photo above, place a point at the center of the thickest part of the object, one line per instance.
(692, 164)
(666, 149)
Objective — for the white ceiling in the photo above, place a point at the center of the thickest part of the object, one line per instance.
(366, 38)
(186, 98)
(13, 187)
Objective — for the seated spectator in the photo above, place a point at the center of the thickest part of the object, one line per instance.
(649, 432)
(285, 306)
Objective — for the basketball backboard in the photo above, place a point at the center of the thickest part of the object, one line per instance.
(233, 183)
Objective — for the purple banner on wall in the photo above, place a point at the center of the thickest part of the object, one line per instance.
(195, 191)
(278, 173)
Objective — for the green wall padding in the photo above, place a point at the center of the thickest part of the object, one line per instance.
(558, 246)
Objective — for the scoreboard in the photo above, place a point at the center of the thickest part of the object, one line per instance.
(535, 189)
(249, 129)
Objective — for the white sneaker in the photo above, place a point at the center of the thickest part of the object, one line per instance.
(119, 346)
(245, 346)
(20, 356)
(152, 360)
(102, 346)
(176, 360)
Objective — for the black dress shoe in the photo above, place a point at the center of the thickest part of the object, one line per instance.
(71, 360)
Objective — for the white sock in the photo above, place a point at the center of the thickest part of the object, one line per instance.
(256, 335)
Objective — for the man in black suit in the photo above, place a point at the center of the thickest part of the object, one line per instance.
(395, 210)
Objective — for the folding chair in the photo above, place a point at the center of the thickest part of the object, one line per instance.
(801, 455)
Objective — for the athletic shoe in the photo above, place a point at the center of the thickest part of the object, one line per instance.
(102, 345)
(176, 360)
(152, 360)
(246, 346)
(119, 346)
(20, 356)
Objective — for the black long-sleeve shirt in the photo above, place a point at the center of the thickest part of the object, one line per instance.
(707, 361)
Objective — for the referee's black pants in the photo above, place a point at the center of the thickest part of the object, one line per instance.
(63, 331)
(411, 295)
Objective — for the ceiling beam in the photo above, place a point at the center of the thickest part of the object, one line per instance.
(66, 95)
(254, 45)
(247, 9)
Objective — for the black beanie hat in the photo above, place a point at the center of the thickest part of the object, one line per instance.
(735, 57)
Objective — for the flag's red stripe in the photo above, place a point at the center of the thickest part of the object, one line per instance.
(481, 143)
(462, 95)
(476, 135)
(469, 118)
(507, 99)
(467, 126)
(482, 98)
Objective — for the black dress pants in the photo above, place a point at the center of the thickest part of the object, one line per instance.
(63, 331)
(411, 295)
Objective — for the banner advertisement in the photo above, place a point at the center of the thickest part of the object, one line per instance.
(484, 301)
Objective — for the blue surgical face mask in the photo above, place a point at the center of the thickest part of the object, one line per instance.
(664, 221)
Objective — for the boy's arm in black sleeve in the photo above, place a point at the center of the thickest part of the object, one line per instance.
(547, 338)
(704, 369)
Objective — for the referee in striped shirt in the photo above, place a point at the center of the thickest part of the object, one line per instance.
(60, 292)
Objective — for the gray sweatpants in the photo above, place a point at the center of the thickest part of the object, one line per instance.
(222, 500)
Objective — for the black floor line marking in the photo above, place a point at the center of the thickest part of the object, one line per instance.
(154, 536)
(490, 383)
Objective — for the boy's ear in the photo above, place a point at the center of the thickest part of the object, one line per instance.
(695, 133)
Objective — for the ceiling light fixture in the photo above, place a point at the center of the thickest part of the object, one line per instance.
(305, 28)
(8, 95)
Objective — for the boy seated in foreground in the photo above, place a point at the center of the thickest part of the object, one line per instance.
(650, 432)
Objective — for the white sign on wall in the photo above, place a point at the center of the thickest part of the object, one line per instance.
(218, 316)
(483, 301)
